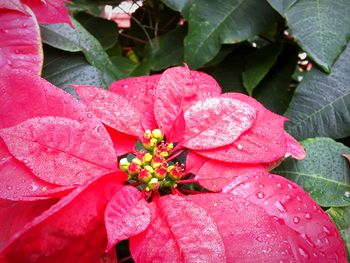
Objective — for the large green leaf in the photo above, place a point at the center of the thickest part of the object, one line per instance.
(258, 65)
(324, 173)
(63, 68)
(320, 106)
(275, 90)
(63, 37)
(341, 217)
(212, 23)
(166, 50)
(229, 72)
(182, 6)
(105, 31)
(321, 27)
(131, 68)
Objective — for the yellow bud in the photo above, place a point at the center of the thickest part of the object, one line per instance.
(164, 154)
(149, 168)
(137, 161)
(170, 168)
(124, 164)
(170, 146)
(148, 157)
(157, 134)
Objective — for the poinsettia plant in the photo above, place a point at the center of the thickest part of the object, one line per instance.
(78, 177)
(165, 167)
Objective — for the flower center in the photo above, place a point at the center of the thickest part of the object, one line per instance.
(151, 166)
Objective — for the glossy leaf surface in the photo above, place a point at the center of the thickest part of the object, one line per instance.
(71, 230)
(212, 24)
(324, 173)
(315, 28)
(320, 103)
(214, 175)
(113, 110)
(297, 218)
(216, 122)
(127, 214)
(254, 146)
(60, 150)
(177, 90)
(180, 232)
(20, 45)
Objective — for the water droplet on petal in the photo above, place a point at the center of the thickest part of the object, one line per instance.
(303, 253)
(89, 115)
(296, 220)
(326, 230)
(260, 195)
(239, 147)
(9, 187)
(280, 206)
(279, 185)
(308, 216)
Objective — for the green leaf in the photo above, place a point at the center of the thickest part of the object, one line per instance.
(166, 50)
(212, 23)
(341, 217)
(275, 90)
(229, 72)
(324, 173)
(89, 6)
(258, 65)
(105, 31)
(131, 68)
(320, 106)
(321, 27)
(63, 37)
(63, 68)
(182, 6)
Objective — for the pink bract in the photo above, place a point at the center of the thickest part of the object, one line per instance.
(21, 46)
(69, 202)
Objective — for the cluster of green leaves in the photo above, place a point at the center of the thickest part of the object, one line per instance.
(249, 46)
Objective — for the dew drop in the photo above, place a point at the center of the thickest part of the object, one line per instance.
(239, 147)
(279, 185)
(298, 198)
(288, 197)
(260, 195)
(347, 194)
(303, 253)
(25, 160)
(9, 187)
(230, 198)
(296, 220)
(261, 185)
(326, 230)
(87, 109)
(280, 206)
(215, 204)
(259, 239)
(290, 186)
(308, 216)
(89, 115)
(81, 118)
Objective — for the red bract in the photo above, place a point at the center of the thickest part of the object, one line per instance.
(68, 202)
(20, 44)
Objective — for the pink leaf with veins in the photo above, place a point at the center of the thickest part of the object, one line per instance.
(216, 122)
(20, 45)
(178, 89)
(214, 175)
(180, 231)
(304, 225)
(49, 12)
(72, 230)
(127, 214)
(264, 142)
(60, 150)
(140, 92)
(113, 110)
(25, 185)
